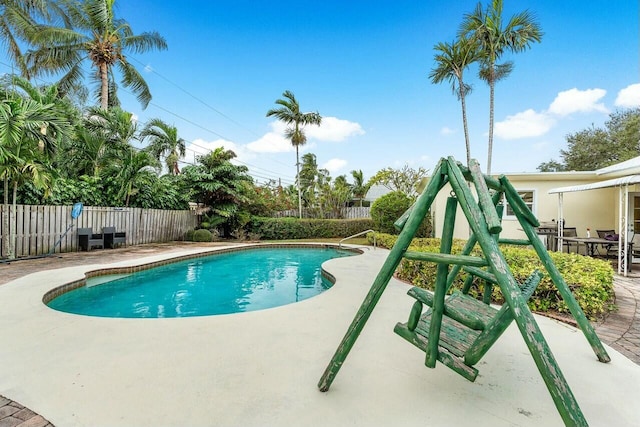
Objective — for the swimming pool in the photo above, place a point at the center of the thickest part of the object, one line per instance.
(221, 283)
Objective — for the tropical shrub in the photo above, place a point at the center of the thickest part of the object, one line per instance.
(590, 280)
(202, 235)
(388, 208)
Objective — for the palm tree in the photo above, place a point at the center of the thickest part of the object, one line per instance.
(116, 125)
(451, 61)
(485, 28)
(17, 23)
(131, 169)
(165, 142)
(308, 178)
(360, 188)
(94, 34)
(29, 132)
(289, 113)
(86, 154)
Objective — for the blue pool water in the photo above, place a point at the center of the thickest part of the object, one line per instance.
(234, 282)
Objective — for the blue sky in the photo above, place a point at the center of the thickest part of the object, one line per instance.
(363, 66)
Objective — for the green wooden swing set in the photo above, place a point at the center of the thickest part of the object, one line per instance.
(458, 330)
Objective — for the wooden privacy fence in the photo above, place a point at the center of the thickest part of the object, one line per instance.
(38, 228)
(354, 212)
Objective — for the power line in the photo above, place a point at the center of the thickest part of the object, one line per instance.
(203, 103)
(195, 97)
(275, 174)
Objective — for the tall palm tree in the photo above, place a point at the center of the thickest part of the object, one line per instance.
(451, 61)
(96, 35)
(289, 113)
(485, 28)
(164, 142)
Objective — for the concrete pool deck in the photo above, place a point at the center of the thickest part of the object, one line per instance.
(261, 368)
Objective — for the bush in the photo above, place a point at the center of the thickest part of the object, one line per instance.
(294, 228)
(202, 235)
(188, 236)
(590, 280)
(388, 208)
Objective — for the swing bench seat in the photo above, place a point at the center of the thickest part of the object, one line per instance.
(469, 327)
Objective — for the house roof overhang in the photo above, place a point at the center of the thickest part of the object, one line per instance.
(616, 182)
(628, 167)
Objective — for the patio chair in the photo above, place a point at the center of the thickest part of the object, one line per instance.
(87, 239)
(112, 238)
(610, 249)
(569, 232)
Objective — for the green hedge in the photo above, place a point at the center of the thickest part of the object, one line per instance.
(590, 280)
(295, 228)
(388, 208)
(202, 235)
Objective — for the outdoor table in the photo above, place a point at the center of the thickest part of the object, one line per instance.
(591, 243)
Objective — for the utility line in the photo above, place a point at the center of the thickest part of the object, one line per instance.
(194, 123)
(195, 97)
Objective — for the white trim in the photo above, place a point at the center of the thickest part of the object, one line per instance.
(621, 167)
(627, 180)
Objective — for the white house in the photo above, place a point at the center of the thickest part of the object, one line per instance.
(605, 199)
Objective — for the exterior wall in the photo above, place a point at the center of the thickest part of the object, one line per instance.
(594, 209)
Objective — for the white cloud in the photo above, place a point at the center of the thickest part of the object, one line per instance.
(629, 96)
(334, 165)
(331, 129)
(524, 125)
(148, 68)
(200, 146)
(271, 142)
(446, 131)
(578, 101)
(334, 129)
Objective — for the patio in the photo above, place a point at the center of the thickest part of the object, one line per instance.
(261, 368)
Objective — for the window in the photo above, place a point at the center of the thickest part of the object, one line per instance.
(529, 199)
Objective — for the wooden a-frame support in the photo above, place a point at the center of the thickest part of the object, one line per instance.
(484, 222)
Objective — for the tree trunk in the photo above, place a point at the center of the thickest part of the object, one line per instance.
(298, 183)
(492, 84)
(12, 229)
(464, 124)
(5, 219)
(104, 86)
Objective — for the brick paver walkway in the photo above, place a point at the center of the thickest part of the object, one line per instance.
(620, 330)
(13, 414)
